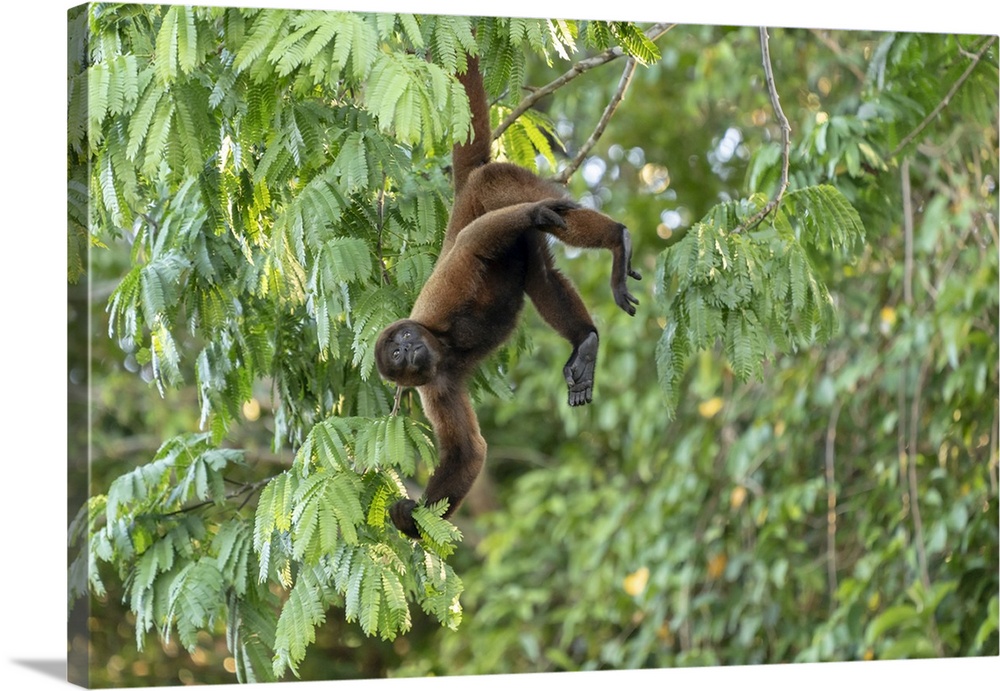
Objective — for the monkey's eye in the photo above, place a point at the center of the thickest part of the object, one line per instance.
(406, 335)
(395, 354)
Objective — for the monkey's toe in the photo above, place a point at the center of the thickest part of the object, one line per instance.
(583, 396)
(625, 300)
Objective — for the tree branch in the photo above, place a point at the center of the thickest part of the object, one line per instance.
(395, 403)
(907, 234)
(911, 468)
(616, 100)
(653, 33)
(918, 525)
(247, 489)
(994, 461)
(947, 99)
(909, 422)
(786, 133)
(380, 209)
(831, 505)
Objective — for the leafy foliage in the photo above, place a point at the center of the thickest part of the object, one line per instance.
(756, 292)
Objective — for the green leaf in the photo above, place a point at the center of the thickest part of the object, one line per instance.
(439, 535)
(274, 513)
(141, 121)
(187, 39)
(232, 546)
(635, 42)
(891, 619)
(302, 613)
(195, 599)
(989, 625)
(166, 44)
(264, 31)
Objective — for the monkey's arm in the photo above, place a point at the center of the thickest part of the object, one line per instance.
(589, 228)
(461, 449)
(490, 235)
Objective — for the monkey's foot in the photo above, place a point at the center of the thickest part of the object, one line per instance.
(579, 371)
(621, 271)
(402, 516)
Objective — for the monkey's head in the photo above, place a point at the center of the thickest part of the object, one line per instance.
(407, 353)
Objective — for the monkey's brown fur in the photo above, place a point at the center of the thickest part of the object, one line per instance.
(494, 252)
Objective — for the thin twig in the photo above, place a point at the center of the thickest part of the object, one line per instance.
(248, 490)
(901, 435)
(652, 33)
(918, 524)
(786, 136)
(395, 405)
(910, 424)
(831, 505)
(944, 103)
(386, 278)
(994, 461)
(616, 100)
(907, 234)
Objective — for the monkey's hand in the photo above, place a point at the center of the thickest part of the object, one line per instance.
(402, 516)
(621, 269)
(579, 371)
(549, 212)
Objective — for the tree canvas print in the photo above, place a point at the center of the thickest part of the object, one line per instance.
(410, 345)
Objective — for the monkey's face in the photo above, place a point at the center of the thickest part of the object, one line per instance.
(407, 353)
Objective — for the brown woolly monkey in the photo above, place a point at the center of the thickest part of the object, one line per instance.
(494, 252)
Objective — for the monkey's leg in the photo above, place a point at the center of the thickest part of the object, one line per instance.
(560, 306)
(592, 229)
(461, 449)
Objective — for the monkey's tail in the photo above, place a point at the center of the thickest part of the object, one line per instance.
(467, 157)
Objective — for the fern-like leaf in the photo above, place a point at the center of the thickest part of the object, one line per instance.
(194, 600)
(635, 42)
(264, 31)
(440, 536)
(166, 45)
(187, 39)
(302, 613)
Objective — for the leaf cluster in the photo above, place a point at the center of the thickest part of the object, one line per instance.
(757, 293)
(190, 557)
